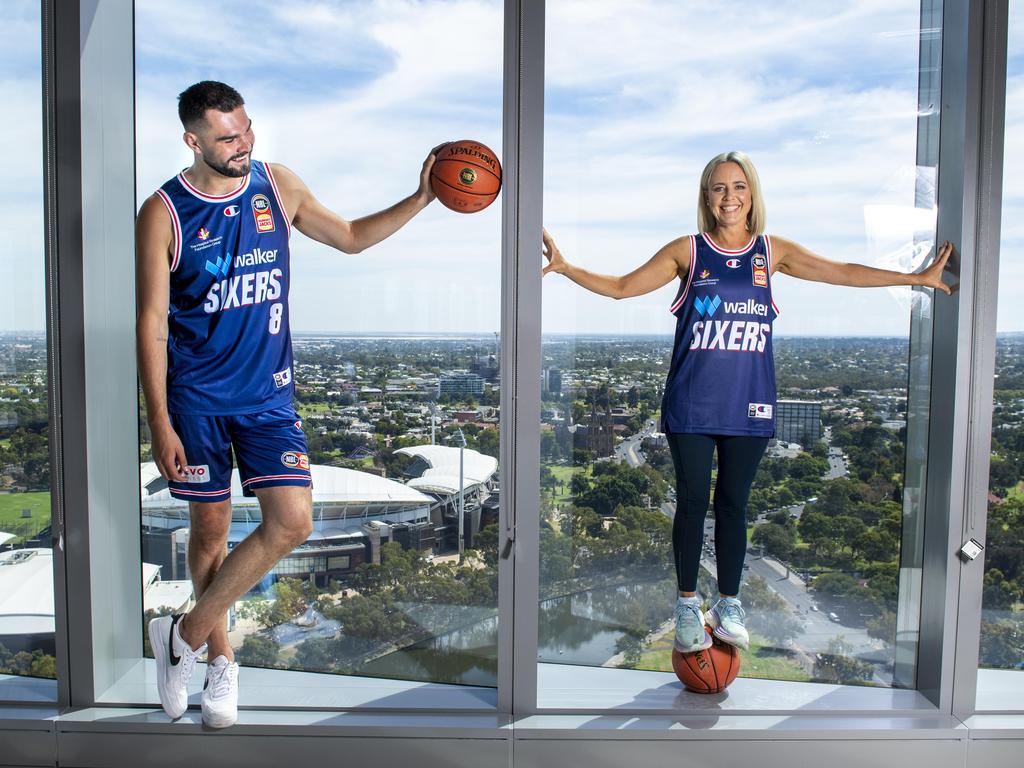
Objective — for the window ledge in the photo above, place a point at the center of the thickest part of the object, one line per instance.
(575, 689)
(282, 689)
(1000, 690)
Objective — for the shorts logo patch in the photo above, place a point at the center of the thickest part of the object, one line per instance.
(197, 473)
(298, 425)
(294, 460)
(262, 213)
(283, 378)
(759, 411)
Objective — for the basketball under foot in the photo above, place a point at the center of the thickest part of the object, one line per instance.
(690, 633)
(726, 618)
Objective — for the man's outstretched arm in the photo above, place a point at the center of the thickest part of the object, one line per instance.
(313, 219)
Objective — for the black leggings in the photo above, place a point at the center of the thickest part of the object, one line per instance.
(738, 458)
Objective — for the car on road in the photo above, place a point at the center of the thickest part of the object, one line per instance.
(833, 617)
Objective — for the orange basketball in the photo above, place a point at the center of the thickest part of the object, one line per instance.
(708, 671)
(466, 176)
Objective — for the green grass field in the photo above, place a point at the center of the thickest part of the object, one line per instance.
(761, 661)
(11, 505)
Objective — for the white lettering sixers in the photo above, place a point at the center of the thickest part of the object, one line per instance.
(229, 349)
(722, 377)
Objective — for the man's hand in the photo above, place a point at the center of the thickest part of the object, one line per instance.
(169, 453)
(932, 276)
(426, 193)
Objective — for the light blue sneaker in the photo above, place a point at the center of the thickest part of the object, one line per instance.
(726, 619)
(690, 633)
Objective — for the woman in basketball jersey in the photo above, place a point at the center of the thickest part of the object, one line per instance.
(720, 392)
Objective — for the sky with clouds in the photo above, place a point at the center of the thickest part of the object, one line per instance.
(638, 95)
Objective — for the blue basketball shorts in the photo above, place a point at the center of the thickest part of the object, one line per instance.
(269, 447)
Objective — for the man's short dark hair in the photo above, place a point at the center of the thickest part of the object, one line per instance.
(208, 94)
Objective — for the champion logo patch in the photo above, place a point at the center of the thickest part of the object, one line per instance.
(733, 263)
(231, 210)
(759, 410)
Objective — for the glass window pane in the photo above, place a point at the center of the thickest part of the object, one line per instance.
(1002, 607)
(396, 349)
(26, 563)
(635, 107)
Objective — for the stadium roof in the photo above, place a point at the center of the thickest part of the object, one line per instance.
(443, 461)
(26, 592)
(445, 484)
(5, 537)
(330, 484)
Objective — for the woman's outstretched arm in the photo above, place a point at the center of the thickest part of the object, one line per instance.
(793, 259)
(671, 261)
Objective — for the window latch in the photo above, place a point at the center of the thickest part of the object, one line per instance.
(970, 550)
(506, 551)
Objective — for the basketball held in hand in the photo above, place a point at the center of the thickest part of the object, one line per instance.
(708, 671)
(466, 176)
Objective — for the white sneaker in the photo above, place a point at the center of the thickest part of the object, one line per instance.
(690, 633)
(220, 693)
(726, 618)
(175, 661)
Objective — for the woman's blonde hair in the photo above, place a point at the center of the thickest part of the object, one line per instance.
(756, 219)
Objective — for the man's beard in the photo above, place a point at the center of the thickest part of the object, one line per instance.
(227, 170)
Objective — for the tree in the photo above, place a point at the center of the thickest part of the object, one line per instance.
(837, 666)
(777, 540)
(259, 651)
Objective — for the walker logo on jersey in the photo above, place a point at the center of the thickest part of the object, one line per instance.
(219, 268)
(203, 233)
(294, 460)
(706, 305)
(262, 214)
(733, 263)
(197, 473)
(705, 274)
(231, 210)
(748, 307)
(759, 266)
(283, 378)
(255, 257)
(759, 411)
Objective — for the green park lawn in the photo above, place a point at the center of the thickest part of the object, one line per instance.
(564, 474)
(11, 505)
(761, 661)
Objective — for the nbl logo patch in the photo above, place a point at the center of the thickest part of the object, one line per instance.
(294, 460)
(262, 213)
(759, 267)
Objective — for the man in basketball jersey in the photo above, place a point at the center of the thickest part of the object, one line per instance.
(215, 359)
(720, 392)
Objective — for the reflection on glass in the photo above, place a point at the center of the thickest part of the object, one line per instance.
(830, 117)
(396, 350)
(26, 564)
(1002, 607)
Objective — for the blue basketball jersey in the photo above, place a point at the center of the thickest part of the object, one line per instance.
(722, 377)
(229, 348)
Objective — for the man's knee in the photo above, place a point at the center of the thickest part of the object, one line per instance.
(288, 516)
(209, 526)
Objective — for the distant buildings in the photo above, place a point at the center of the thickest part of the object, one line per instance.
(551, 381)
(798, 421)
(460, 385)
